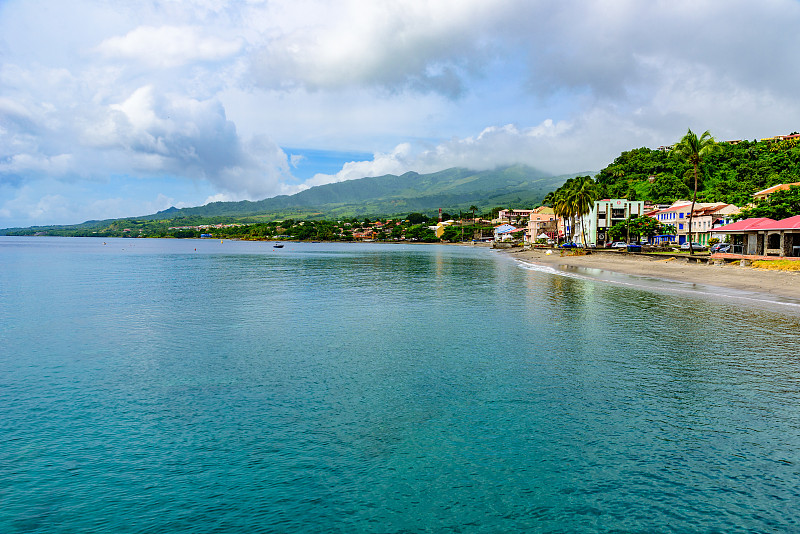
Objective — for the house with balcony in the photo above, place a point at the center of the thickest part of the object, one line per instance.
(542, 222)
(708, 217)
(513, 216)
(604, 215)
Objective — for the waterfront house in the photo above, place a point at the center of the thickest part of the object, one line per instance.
(705, 217)
(364, 235)
(708, 217)
(438, 230)
(676, 215)
(542, 220)
(745, 236)
(504, 232)
(605, 214)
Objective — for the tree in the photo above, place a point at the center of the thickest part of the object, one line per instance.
(637, 226)
(452, 233)
(495, 211)
(473, 209)
(416, 218)
(694, 150)
(667, 188)
(583, 193)
(780, 205)
(563, 207)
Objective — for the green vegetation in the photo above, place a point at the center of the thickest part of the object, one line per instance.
(454, 190)
(732, 175)
(636, 226)
(694, 150)
(574, 200)
(780, 205)
(416, 227)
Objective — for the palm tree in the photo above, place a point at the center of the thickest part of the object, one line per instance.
(473, 209)
(564, 207)
(694, 150)
(583, 194)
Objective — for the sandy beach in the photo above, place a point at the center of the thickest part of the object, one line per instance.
(776, 284)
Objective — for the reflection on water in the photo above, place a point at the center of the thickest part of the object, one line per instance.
(701, 291)
(374, 388)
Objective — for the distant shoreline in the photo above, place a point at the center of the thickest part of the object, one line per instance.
(774, 284)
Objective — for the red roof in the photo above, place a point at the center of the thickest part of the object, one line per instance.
(747, 225)
(791, 223)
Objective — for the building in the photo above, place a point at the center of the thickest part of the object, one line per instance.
(438, 230)
(514, 216)
(707, 218)
(542, 221)
(676, 215)
(762, 236)
(504, 232)
(765, 193)
(604, 215)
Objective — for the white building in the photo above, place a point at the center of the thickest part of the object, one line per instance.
(605, 214)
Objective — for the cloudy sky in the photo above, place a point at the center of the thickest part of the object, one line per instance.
(112, 108)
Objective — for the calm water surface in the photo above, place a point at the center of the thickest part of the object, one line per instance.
(207, 386)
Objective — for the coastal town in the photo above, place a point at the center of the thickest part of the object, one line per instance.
(705, 225)
(623, 224)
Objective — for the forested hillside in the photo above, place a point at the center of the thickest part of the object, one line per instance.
(452, 189)
(732, 176)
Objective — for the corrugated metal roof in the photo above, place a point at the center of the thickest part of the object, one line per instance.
(747, 225)
(790, 223)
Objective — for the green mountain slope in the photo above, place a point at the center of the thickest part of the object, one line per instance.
(452, 190)
(732, 176)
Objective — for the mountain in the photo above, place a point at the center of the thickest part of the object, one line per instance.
(452, 190)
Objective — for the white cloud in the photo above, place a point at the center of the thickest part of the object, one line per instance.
(169, 46)
(419, 45)
(394, 162)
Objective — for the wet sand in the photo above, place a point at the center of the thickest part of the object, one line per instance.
(773, 283)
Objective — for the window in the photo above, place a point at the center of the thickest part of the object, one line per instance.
(681, 215)
(680, 227)
(774, 241)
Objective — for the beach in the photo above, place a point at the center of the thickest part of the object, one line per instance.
(774, 283)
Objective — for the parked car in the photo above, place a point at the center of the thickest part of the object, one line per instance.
(720, 247)
(568, 244)
(695, 246)
(618, 244)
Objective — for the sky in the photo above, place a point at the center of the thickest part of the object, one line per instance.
(117, 108)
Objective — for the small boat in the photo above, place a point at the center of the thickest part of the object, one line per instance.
(277, 245)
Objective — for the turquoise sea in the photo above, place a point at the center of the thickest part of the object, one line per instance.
(153, 386)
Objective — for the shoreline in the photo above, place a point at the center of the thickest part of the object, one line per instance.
(772, 284)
